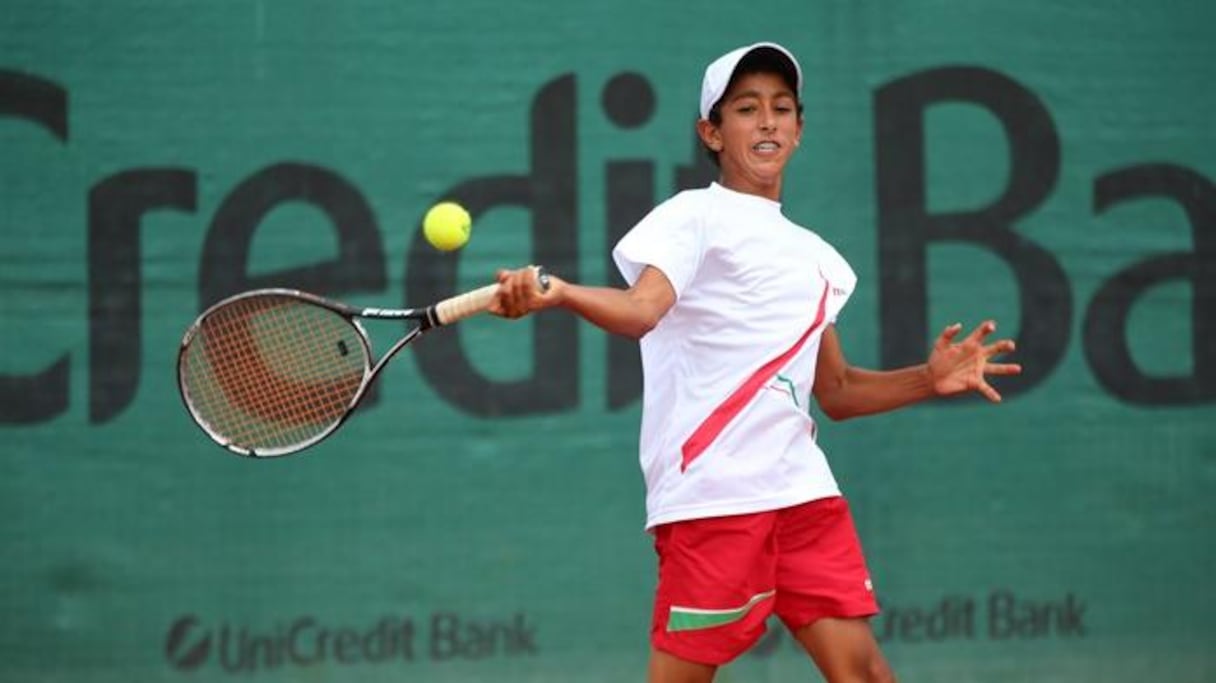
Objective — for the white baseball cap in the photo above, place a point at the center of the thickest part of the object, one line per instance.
(719, 73)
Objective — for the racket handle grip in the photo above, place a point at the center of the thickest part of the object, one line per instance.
(464, 305)
(477, 301)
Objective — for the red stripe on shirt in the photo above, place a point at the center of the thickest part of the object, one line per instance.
(721, 416)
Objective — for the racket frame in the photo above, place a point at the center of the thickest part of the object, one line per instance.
(426, 318)
(436, 315)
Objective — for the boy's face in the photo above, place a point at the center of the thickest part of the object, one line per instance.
(759, 131)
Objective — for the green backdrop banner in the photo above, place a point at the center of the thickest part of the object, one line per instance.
(1049, 164)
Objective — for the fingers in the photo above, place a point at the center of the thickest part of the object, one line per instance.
(988, 392)
(518, 293)
(1001, 347)
(1002, 369)
(520, 287)
(975, 339)
(982, 330)
(947, 335)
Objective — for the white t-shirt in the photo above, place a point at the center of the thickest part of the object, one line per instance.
(727, 372)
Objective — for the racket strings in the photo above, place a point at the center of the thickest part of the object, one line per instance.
(272, 371)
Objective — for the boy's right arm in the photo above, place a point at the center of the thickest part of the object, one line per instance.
(628, 312)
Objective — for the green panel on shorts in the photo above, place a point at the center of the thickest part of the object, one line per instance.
(691, 619)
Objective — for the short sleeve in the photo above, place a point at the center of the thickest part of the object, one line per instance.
(841, 279)
(669, 238)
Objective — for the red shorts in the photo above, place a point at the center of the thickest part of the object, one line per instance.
(721, 577)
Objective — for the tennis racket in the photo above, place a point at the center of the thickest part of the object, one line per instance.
(271, 372)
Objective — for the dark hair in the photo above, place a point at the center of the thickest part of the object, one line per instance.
(762, 60)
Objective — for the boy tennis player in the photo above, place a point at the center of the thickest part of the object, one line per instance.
(734, 307)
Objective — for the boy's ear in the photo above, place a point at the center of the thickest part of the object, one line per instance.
(709, 135)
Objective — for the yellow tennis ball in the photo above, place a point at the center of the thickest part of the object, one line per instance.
(446, 226)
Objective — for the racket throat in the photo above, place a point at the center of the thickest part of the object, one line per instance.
(430, 319)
